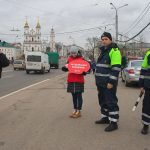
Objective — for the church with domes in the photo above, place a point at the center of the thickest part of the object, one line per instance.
(32, 38)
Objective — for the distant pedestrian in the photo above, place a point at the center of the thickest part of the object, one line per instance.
(75, 83)
(93, 66)
(4, 62)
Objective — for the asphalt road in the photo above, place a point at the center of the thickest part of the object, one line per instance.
(37, 118)
(14, 80)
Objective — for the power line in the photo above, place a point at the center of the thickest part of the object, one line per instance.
(128, 38)
(68, 32)
(82, 30)
(138, 21)
(137, 33)
(87, 29)
(141, 16)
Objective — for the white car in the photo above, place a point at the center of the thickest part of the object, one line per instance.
(37, 62)
(131, 73)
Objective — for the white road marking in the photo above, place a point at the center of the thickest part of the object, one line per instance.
(7, 71)
(5, 77)
(12, 93)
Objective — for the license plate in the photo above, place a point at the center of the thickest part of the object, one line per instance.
(30, 64)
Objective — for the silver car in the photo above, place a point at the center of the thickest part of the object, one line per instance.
(19, 64)
(131, 73)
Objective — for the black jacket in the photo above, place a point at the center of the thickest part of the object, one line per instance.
(105, 72)
(4, 62)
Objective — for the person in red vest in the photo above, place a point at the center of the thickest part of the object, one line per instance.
(75, 83)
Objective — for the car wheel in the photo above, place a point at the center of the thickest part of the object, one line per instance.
(57, 67)
(49, 69)
(122, 79)
(127, 84)
(43, 71)
(27, 71)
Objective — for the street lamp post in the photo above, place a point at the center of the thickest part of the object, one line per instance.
(73, 40)
(116, 18)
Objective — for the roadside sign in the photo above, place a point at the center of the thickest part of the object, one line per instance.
(78, 66)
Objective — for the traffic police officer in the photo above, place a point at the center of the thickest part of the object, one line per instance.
(145, 86)
(107, 71)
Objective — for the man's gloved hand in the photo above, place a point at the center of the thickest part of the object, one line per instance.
(84, 73)
(64, 69)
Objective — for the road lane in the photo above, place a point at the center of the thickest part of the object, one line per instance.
(14, 80)
(38, 119)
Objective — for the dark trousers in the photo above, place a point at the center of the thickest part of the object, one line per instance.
(108, 102)
(93, 71)
(77, 100)
(146, 108)
(0, 72)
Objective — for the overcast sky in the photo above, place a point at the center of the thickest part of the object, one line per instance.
(71, 15)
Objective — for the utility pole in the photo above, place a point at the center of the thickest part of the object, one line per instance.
(116, 18)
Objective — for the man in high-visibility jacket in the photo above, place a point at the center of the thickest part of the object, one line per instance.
(107, 71)
(145, 87)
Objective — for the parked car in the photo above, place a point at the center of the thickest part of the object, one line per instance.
(37, 62)
(131, 73)
(19, 64)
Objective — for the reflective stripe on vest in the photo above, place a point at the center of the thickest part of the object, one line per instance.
(102, 75)
(113, 77)
(103, 65)
(116, 69)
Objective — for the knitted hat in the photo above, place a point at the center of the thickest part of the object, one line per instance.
(74, 49)
(106, 34)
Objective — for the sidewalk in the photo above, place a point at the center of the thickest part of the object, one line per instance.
(38, 119)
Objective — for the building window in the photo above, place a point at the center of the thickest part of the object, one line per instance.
(32, 49)
(32, 39)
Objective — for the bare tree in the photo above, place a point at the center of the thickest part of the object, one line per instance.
(92, 44)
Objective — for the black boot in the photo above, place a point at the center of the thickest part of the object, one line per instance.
(145, 129)
(104, 120)
(112, 126)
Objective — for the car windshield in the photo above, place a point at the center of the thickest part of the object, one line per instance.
(17, 62)
(34, 58)
(136, 63)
